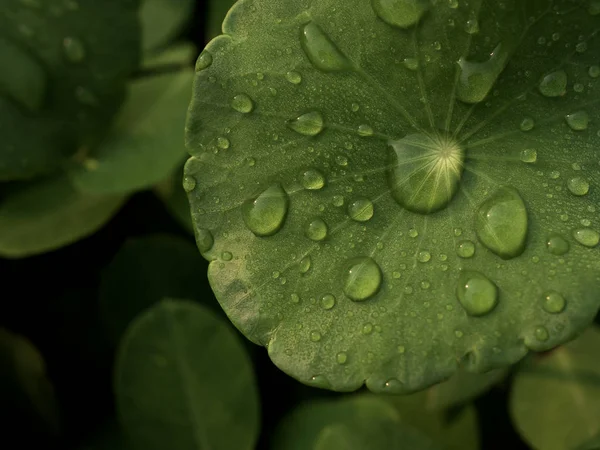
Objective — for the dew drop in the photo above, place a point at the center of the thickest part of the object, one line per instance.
(321, 51)
(315, 336)
(529, 156)
(337, 200)
(226, 256)
(578, 186)
(361, 210)
(305, 264)
(309, 124)
(365, 130)
(313, 180)
(472, 26)
(242, 103)
(541, 334)
(367, 328)
(362, 278)
(465, 249)
(478, 78)
(204, 61)
(527, 124)
(328, 301)
(400, 13)
(316, 230)
(265, 214)
(578, 121)
(189, 184)
(74, 49)
(587, 237)
(554, 84)
(294, 77)
(341, 358)
(204, 240)
(223, 143)
(476, 293)
(411, 63)
(417, 163)
(553, 302)
(424, 256)
(501, 223)
(557, 245)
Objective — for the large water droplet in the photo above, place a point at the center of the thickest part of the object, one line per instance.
(501, 223)
(362, 278)
(557, 245)
(361, 210)
(265, 214)
(242, 103)
(204, 61)
(312, 179)
(465, 249)
(587, 237)
(554, 302)
(316, 230)
(321, 51)
(478, 78)
(476, 293)
(309, 124)
(204, 240)
(425, 171)
(74, 49)
(578, 186)
(328, 301)
(554, 84)
(578, 121)
(400, 13)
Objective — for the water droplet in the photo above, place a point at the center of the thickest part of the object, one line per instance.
(578, 186)
(328, 301)
(361, 210)
(338, 200)
(242, 103)
(362, 278)
(295, 298)
(527, 124)
(312, 179)
(189, 183)
(411, 63)
(529, 156)
(204, 240)
(578, 121)
(400, 13)
(204, 61)
(321, 51)
(472, 26)
(413, 233)
(418, 163)
(501, 223)
(557, 245)
(74, 49)
(226, 256)
(424, 256)
(341, 358)
(554, 84)
(367, 328)
(541, 334)
(316, 230)
(594, 71)
(365, 130)
(587, 237)
(265, 214)
(294, 77)
(476, 293)
(309, 124)
(315, 336)
(478, 78)
(305, 264)
(223, 143)
(465, 249)
(554, 302)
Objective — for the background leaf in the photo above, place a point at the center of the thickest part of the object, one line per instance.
(171, 192)
(217, 10)
(163, 20)
(183, 381)
(555, 402)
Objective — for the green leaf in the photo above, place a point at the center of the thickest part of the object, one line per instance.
(145, 270)
(555, 403)
(163, 20)
(217, 10)
(171, 192)
(183, 381)
(69, 64)
(396, 186)
(364, 421)
(592, 444)
(24, 385)
(50, 214)
(146, 143)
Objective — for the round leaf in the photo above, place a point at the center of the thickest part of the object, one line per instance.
(71, 61)
(50, 214)
(422, 204)
(184, 381)
(555, 403)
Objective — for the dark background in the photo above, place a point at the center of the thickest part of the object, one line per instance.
(51, 299)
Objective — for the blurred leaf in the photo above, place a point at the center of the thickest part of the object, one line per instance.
(144, 271)
(69, 62)
(555, 402)
(146, 142)
(110, 437)
(462, 387)
(171, 192)
(162, 20)
(365, 421)
(184, 382)
(23, 381)
(592, 444)
(217, 10)
(49, 214)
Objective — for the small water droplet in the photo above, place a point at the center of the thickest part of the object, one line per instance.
(587, 237)
(204, 61)
(400, 13)
(529, 156)
(361, 210)
(294, 77)
(476, 293)
(315, 336)
(578, 121)
(226, 256)
(541, 334)
(309, 124)
(338, 200)
(411, 63)
(189, 183)
(472, 26)
(578, 186)
(295, 298)
(424, 256)
(557, 245)
(204, 240)
(527, 124)
(305, 264)
(242, 103)
(362, 278)
(321, 51)
(265, 214)
(465, 249)
(328, 301)
(313, 180)
(501, 223)
(74, 49)
(365, 130)
(316, 230)
(554, 84)
(413, 233)
(478, 78)
(553, 302)
(341, 358)
(223, 143)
